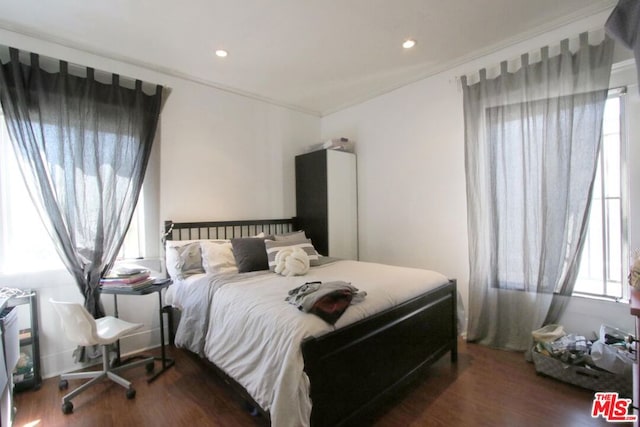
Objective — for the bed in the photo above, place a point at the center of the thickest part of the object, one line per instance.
(329, 374)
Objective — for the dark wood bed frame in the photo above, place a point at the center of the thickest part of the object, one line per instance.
(354, 369)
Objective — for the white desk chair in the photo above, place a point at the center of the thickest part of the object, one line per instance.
(81, 328)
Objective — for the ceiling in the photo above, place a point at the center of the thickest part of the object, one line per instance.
(316, 56)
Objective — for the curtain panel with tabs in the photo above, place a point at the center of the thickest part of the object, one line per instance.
(83, 146)
(532, 138)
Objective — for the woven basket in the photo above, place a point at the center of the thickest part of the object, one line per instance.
(585, 377)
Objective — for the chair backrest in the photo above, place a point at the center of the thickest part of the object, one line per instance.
(78, 324)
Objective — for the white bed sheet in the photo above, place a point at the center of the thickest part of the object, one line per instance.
(175, 295)
(255, 336)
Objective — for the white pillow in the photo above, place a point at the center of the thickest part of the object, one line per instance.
(189, 260)
(217, 257)
(171, 256)
(294, 236)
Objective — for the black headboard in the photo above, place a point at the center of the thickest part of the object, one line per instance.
(225, 229)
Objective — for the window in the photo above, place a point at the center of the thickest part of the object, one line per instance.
(134, 242)
(519, 183)
(25, 245)
(24, 242)
(604, 261)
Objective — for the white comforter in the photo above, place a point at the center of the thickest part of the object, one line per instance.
(254, 335)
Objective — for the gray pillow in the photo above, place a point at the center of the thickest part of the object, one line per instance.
(273, 247)
(297, 236)
(189, 260)
(250, 254)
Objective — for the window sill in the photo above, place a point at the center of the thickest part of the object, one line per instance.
(601, 298)
(34, 272)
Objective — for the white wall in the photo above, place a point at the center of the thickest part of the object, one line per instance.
(411, 176)
(220, 156)
(229, 157)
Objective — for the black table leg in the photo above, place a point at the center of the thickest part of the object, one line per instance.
(166, 362)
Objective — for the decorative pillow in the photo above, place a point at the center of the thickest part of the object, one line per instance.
(250, 254)
(171, 255)
(297, 236)
(292, 261)
(189, 260)
(217, 257)
(273, 247)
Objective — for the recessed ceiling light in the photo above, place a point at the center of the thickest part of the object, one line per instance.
(408, 44)
(221, 53)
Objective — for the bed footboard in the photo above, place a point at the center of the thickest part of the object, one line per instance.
(353, 370)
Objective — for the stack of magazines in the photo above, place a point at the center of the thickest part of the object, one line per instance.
(127, 277)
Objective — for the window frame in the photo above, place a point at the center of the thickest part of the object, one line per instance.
(618, 92)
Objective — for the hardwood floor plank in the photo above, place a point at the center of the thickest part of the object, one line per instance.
(486, 387)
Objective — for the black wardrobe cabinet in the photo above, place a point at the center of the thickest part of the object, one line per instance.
(327, 201)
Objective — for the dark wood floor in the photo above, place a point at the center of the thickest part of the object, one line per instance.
(485, 388)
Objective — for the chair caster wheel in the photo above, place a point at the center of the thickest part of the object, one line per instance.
(150, 367)
(63, 385)
(131, 393)
(67, 408)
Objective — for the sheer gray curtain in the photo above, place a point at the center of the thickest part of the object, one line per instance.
(531, 142)
(624, 25)
(83, 148)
